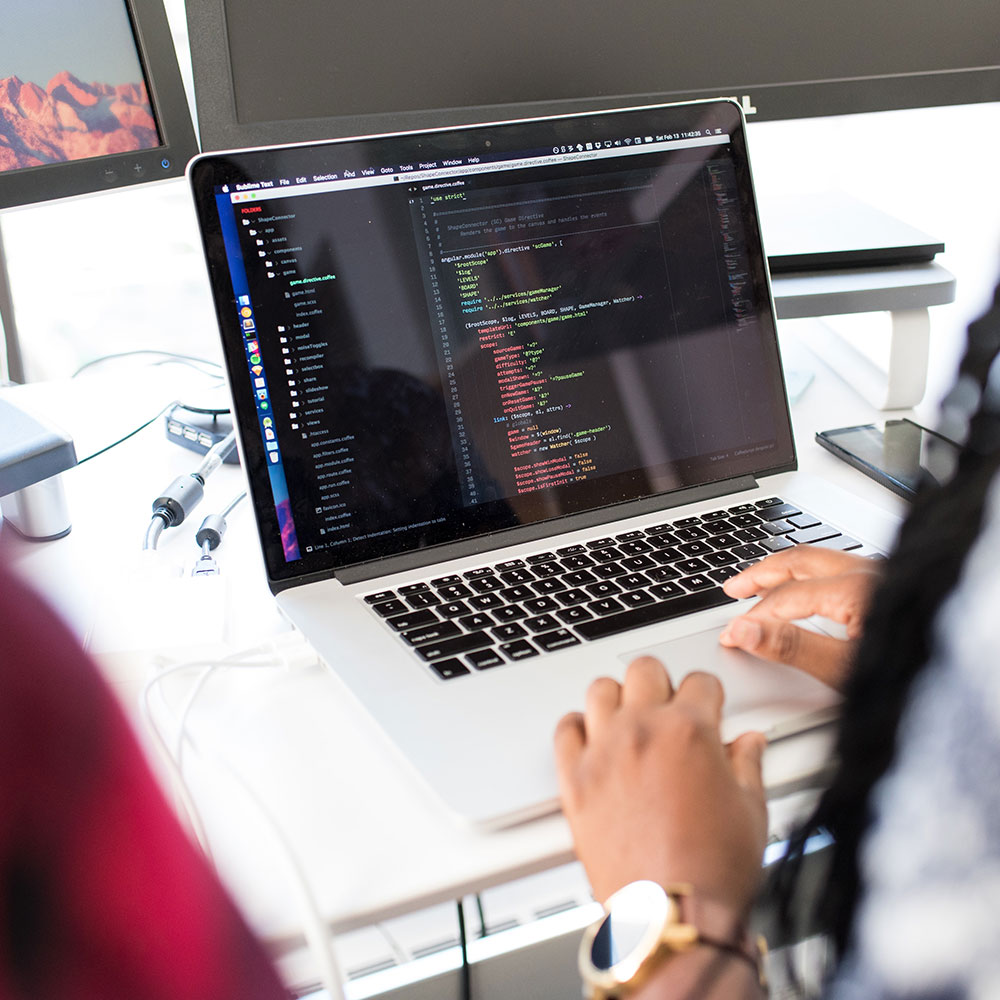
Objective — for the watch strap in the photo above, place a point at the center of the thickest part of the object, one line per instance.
(716, 927)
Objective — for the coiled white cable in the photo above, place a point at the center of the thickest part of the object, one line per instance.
(316, 931)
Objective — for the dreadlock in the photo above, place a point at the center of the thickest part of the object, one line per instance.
(939, 532)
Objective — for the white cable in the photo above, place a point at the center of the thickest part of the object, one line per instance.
(182, 718)
(318, 935)
(153, 532)
(216, 455)
(319, 938)
(232, 504)
(188, 810)
(181, 497)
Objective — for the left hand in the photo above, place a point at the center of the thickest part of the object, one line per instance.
(796, 584)
(652, 792)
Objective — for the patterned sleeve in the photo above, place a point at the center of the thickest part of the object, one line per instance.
(927, 926)
(103, 894)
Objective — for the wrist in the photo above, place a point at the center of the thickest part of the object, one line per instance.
(701, 974)
(646, 927)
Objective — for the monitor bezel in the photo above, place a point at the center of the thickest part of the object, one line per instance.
(69, 178)
(210, 171)
(220, 128)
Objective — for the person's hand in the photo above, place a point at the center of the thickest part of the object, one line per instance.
(795, 584)
(651, 791)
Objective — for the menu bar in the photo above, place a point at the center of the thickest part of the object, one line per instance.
(285, 187)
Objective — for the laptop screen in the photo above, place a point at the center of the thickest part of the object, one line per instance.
(431, 337)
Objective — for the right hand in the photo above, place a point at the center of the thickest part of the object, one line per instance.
(795, 584)
(651, 791)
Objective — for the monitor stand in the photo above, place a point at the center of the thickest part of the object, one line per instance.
(13, 367)
(32, 454)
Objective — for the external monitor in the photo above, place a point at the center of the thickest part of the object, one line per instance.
(91, 99)
(268, 72)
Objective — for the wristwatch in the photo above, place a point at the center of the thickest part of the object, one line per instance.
(644, 924)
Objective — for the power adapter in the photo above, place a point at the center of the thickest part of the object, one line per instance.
(199, 430)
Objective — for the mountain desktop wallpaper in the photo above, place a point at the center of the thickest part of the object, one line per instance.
(71, 120)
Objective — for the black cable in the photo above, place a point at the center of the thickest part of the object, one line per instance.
(465, 974)
(168, 355)
(122, 440)
(184, 406)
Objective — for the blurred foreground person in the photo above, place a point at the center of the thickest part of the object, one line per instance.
(103, 896)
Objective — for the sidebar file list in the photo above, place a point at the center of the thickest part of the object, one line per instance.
(301, 391)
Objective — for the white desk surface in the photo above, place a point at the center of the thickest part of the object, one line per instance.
(371, 841)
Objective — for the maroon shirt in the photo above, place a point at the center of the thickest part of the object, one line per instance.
(101, 893)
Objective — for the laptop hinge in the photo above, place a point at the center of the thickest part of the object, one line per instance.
(545, 529)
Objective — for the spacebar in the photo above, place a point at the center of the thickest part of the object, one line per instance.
(650, 614)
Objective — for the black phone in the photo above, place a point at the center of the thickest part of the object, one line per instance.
(899, 455)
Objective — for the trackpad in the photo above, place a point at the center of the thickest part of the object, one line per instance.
(770, 697)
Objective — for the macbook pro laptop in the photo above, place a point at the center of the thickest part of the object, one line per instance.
(511, 409)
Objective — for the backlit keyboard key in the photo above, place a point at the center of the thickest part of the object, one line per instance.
(777, 544)
(802, 520)
(559, 639)
(388, 608)
(519, 649)
(776, 511)
(749, 551)
(816, 533)
(840, 543)
(430, 633)
(541, 623)
(422, 599)
(483, 659)
(660, 611)
(439, 649)
(412, 619)
(507, 633)
(447, 669)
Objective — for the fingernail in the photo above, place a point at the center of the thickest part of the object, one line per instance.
(743, 632)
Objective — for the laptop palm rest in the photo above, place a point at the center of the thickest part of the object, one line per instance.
(771, 698)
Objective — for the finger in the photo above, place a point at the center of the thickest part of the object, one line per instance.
(701, 693)
(821, 655)
(746, 755)
(570, 741)
(842, 598)
(646, 683)
(800, 563)
(603, 700)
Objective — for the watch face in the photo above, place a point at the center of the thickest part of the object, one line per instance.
(630, 930)
(617, 940)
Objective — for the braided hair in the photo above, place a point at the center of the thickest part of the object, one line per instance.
(940, 530)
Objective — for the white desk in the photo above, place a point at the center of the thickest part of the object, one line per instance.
(372, 841)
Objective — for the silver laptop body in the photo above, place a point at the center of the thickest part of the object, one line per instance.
(511, 407)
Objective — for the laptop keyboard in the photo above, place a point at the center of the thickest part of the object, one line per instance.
(520, 608)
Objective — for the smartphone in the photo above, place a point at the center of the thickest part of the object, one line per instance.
(899, 456)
